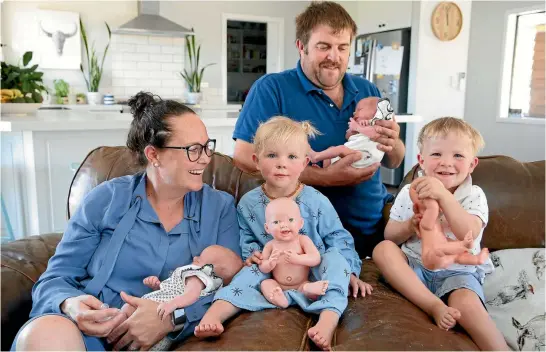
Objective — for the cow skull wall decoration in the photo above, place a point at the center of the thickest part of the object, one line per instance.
(59, 37)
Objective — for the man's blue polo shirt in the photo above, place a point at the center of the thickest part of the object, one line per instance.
(290, 93)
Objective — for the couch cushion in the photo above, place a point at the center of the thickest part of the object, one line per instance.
(515, 195)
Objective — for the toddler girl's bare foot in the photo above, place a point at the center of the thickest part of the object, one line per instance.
(444, 316)
(278, 298)
(208, 329)
(482, 257)
(322, 333)
(315, 288)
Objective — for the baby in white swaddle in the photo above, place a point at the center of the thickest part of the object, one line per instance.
(360, 135)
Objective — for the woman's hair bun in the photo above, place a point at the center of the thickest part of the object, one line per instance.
(140, 103)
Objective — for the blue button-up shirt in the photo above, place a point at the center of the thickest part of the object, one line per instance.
(292, 94)
(88, 246)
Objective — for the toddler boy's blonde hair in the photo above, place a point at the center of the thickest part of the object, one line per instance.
(443, 126)
(280, 129)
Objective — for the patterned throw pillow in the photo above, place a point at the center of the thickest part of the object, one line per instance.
(514, 295)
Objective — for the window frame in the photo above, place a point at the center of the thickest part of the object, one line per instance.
(507, 62)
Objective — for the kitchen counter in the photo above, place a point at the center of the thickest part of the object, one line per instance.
(70, 120)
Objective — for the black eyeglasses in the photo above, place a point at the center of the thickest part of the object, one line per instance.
(194, 151)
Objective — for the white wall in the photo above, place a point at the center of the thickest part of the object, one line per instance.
(378, 16)
(522, 142)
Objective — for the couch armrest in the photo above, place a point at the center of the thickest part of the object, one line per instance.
(22, 263)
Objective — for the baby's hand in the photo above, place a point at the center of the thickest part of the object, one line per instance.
(291, 257)
(274, 257)
(355, 285)
(152, 282)
(165, 309)
(256, 257)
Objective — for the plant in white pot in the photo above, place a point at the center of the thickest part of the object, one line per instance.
(194, 76)
(94, 71)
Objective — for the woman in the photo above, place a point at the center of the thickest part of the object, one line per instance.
(127, 229)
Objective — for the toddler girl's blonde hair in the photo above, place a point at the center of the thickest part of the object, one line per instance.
(443, 126)
(280, 129)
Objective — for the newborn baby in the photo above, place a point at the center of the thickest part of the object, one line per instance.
(289, 255)
(216, 266)
(360, 135)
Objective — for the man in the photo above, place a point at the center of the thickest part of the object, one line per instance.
(318, 90)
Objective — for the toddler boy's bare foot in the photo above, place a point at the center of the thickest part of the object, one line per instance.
(208, 329)
(278, 298)
(322, 333)
(315, 288)
(445, 316)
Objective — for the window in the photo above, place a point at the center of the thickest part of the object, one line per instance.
(523, 89)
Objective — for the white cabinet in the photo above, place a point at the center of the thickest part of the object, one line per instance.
(379, 16)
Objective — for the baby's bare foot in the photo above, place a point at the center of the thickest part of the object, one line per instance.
(278, 298)
(322, 333)
(483, 255)
(315, 288)
(444, 316)
(209, 329)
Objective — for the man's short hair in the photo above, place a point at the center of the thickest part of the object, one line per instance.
(323, 13)
(443, 126)
(280, 129)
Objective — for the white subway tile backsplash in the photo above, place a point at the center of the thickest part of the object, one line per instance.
(163, 74)
(125, 48)
(172, 49)
(136, 57)
(136, 74)
(149, 66)
(118, 91)
(178, 58)
(135, 39)
(117, 73)
(117, 57)
(172, 82)
(172, 67)
(124, 82)
(160, 40)
(161, 58)
(164, 91)
(149, 82)
(153, 49)
(179, 41)
(124, 65)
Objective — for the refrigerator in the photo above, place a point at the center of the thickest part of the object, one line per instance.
(383, 58)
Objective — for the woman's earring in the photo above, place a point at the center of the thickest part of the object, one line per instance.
(156, 164)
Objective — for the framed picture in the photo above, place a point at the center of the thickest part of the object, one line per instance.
(59, 39)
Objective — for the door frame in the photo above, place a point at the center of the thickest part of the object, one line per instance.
(249, 18)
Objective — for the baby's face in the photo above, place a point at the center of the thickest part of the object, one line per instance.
(283, 219)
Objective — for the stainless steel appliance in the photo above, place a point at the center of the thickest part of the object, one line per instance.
(383, 58)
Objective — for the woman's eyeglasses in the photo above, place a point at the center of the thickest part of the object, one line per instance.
(194, 151)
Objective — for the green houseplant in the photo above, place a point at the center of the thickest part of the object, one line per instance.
(194, 76)
(94, 70)
(61, 91)
(22, 84)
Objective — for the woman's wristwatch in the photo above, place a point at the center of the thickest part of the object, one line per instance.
(179, 319)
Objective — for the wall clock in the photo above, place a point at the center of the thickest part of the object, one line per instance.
(447, 21)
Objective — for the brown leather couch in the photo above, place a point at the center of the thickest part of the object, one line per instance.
(383, 321)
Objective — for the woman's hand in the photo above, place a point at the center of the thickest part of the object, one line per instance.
(355, 285)
(143, 329)
(256, 257)
(88, 313)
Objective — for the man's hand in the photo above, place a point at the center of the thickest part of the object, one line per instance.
(256, 258)
(429, 187)
(388, 132)
(356, 285)
(143, 329)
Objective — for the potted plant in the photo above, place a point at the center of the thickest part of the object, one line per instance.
(21, 85)
(61, 91)
(94, 70)
(194, 76)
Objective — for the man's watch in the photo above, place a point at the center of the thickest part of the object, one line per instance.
(179, 319)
